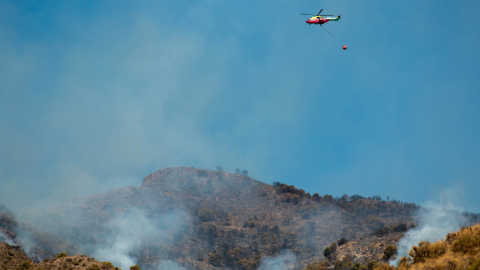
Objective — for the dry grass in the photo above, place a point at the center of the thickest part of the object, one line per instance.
(13, 258)
(460, 250)
(80, 262)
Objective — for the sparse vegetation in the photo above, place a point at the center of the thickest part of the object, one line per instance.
(389, 252)
(329, 251)
(467, 244)
(206, 215)
(61, 255)
(235, 221)
(342, 241)
(24, 265)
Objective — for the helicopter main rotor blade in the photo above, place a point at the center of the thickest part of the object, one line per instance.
(320, 12)
(307, 14)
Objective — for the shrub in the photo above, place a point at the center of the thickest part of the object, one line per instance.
(372, 264)
(94, 267)
(215, 259)
(342, 241)
(206, 215)
(330, 250)
(389, 252)
(465, 244)
(382, 231)
(384, 267)
(135, 267)
(404, 261)
(359, 266)
(107, 265)
(426, 250)
(24, 265)
(61, 255)
(475, 265)
(317, 266)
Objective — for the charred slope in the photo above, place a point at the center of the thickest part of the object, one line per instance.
(205, 219)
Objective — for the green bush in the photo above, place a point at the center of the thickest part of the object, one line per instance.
(107, 265)
(24, 265)
(61, 255)
(359, 266)
(475, 265)
(426, 250)
(330, 250)
(372, 264)
(342, 241)
(215, 259)
(389, 252)
(94, 267)
(465, 244)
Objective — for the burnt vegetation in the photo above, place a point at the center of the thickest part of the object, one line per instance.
(222, 220)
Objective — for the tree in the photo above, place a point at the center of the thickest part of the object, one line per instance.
(389, 252)
(215, 259)
(329, 251)
(328, 198)
(219, 168)
(372, 264)
(245, 173)
(342, 241)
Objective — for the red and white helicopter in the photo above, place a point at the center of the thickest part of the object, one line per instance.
(317, 19)
(320, 20)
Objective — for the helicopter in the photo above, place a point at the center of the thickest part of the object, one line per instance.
(320, 20)
(317, 19)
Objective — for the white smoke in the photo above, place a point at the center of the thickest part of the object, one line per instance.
(169, 265)
(434, 222)
(5, 239)
(128, 231)
(285, 261)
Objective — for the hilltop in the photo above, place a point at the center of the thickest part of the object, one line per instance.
(203, 219)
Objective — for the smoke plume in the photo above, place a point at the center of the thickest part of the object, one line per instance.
(129, 231)
(5, 239)
(434, 222)
(286, 260)
(169, 265)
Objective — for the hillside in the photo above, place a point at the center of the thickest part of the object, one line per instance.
(459, 250)
(201, 219)
(13, 257)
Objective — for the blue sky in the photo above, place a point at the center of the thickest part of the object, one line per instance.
(95, 95)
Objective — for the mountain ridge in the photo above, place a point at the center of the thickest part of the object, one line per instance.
(204, 219)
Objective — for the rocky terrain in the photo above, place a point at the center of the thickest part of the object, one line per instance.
(200, 219)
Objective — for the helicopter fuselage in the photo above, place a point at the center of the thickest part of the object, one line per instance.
(321, 20)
